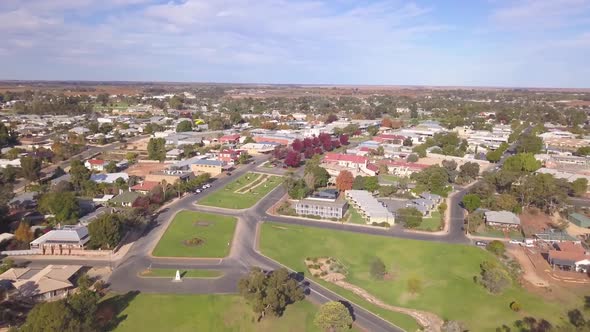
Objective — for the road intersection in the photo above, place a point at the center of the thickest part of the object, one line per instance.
(244, 253)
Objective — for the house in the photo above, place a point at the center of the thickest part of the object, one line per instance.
(13, 163)
(95, 164)
(369, 208)
(579, 219)
(256, 148)
(325, 208)
(64, 241)
(346, 160)
(49, 283)
(109, 177)
(169, 176)
(280, 139)
(569, 260)
(230, 139)
(505, 219)
(145, 187)
(79, 130)
(102, 199)
(173, 154)
(90, 217)
(125, 199)
(229, 155)
(213, 167)
(24, 201)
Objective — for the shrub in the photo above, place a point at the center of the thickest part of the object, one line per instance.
(515, 306)
(496, 247)
(414, 285)
(378, 269)
(493, 277)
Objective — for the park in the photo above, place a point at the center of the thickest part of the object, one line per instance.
(197, 234)
(243, 192)
(420, 275)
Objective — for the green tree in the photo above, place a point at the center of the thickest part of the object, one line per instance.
(84, 305)
(521, 162)
(583, 151)
(333, 317)
(407, 141)
(64, 206)
(410, 217)
(31, 168)
(579, 187)
(79, 174)
(184, 126)
(496, 247)
(371, 183)
(157, 149)
(412, 158)
(111, 167)
(494, 156)
(493, 277)
(358, 183)
(105, 231)
(7, 136)
(378, 269)
(373, 130)
(270, 293)
(50, 317)
(244, 158)
(471, 202)
(529, 143)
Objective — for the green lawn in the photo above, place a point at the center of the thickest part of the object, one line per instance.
(389, 177)
(355, 217)
(179, 313)
(432, 223)
(491, 232)
(228, 198)
(446, 272)
(171, 273)
(216, 232)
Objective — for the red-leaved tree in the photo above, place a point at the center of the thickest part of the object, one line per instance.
(297, 145)
(343, 139)
(344, 180)
(293, 159)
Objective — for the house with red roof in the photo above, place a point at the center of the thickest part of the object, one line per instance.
(95, 164)
(230, 139)
(145, 187)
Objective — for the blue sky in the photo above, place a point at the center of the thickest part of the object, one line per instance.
(535, 43)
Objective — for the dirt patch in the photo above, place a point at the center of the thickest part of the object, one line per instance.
(528, 266)
(534, 221)
(143, 169)
(327, 268)
(201, 224)
(194, 242)
(280, 227)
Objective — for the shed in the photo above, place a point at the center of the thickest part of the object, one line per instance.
(579, 219)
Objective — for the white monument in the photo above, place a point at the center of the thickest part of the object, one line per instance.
(177, 277)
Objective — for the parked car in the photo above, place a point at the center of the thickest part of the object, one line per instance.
(198, 191)
(519, 242)
(480, 243)
(228, 173)
(207, 186)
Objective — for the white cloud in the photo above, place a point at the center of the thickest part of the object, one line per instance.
(542, 14)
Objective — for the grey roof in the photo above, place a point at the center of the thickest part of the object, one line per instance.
(209, 162)
(26, 197)
(109, 177)
(340, 203)
(67, 234)
(126, 197)
(502, 217)
(430, 196)
(371, 206)
(66, 177)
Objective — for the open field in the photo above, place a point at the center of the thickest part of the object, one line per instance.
(178, 313)
(214, 233)
(171, 273)
(445, 272)
(432, 223)
(143, 169)
(243, 192)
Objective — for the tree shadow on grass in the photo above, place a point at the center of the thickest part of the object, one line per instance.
(109, 311)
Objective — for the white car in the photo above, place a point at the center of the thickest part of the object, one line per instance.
(207, 186)
(197, 191)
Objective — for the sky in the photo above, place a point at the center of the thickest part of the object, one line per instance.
(521, 43)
